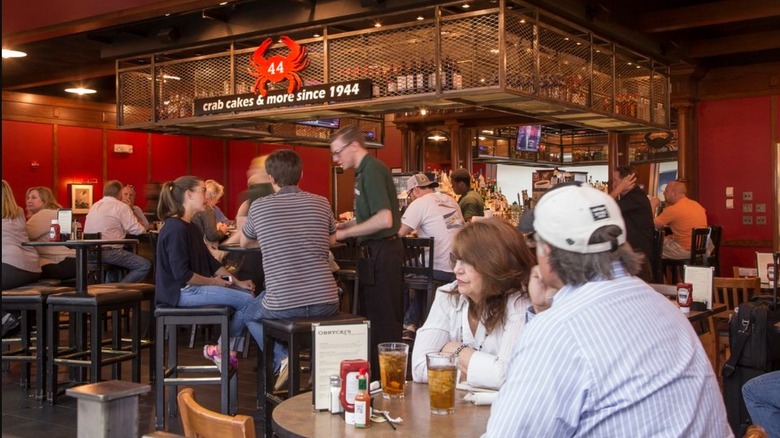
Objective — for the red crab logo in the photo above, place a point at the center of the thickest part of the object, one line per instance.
(278, 68)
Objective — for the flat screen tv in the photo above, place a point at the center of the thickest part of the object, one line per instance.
(528, 138)
(322, 123)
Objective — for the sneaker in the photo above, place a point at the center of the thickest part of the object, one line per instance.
(211, 352)
(410, 331)
(281, 379)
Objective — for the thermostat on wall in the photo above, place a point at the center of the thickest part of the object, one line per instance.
(123, 148)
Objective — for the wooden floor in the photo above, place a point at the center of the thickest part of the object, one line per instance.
(23, 416)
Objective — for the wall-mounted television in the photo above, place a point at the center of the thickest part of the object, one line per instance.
(322, 123)
(528, 138)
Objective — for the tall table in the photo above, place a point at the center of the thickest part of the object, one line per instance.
(294, 418)
(81, 247)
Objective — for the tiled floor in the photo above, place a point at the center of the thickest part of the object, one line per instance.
(23, 416)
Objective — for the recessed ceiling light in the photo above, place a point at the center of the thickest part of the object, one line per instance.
(223, 3)
(420, 18)
(466, 6)
(377, 24)
(168, 14)
(80, 91)
(8, 53)
(316, 35)
(423, 112)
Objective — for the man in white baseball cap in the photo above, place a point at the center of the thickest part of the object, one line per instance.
(608, 356)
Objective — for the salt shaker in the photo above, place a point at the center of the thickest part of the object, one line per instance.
(335, 388)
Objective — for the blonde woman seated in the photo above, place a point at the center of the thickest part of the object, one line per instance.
(481, 314)
(57, 262)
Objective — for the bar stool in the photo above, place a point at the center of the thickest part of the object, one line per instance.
(30, 300)
(167, 373)
(96, 305)
(297, 334)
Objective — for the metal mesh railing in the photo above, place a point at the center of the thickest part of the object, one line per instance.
(659, 87)
(178, 83)
(399, 61)
(632, 84)
(470, 52)
(601, 83)
(519, 39)
(563, 66)
(135, 96)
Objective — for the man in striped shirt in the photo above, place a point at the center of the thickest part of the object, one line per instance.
(295, 230)
(610, 356)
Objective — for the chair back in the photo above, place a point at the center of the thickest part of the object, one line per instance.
(347, 254)
(418, 256)
(656, 258)
(733, 291)
(714, 258)
(95, 271)
(699, 237)
(200, 422)
(740, 272)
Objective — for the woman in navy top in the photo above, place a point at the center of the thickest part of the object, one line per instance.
(187, 275)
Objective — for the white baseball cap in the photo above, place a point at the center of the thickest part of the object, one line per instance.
(566, 217)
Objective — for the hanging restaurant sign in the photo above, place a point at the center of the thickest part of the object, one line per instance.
(278, 68)
(309, 95)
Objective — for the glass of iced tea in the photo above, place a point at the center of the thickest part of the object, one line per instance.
(392, 368)
(442, 377)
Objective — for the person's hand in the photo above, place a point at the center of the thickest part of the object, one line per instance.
(340, 235)
(245, 284)
(541, 294)
(345, 224)
(626, 184)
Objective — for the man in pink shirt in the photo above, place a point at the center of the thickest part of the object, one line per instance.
(682, 215)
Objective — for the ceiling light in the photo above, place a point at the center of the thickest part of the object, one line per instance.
(8, 53)
(80, 91)
(420, 18)
(223, 3)
(437, 137)
(482, 137)
(168, 15)
(377, 24)
(316, 35)
(466, 6)
(423, 112)
(522, 21)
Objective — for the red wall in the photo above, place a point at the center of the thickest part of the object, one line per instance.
(735, 151)
(32, 142)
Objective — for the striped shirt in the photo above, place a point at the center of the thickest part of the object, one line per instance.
(294, 228)
(610, 358)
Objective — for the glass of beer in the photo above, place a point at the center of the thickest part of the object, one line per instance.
(393, 357)
(442, 377)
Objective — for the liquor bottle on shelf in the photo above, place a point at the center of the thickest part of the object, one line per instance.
(447, 74)
(432, 76)
(401, 79)
(375, 75)
(457, 77)
(419, 77)
(392, 84)
(410, 80)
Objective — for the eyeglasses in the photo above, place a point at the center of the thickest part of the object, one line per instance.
(454, 260)
(338, 152)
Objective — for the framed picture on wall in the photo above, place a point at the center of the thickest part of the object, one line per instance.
(81, 198)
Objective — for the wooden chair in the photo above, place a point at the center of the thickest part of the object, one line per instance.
(699, 237)
(418, 269)
(733, 291)
(713, 259)
(346, 255)
(200, 422)
(740, 272)
(655, 258)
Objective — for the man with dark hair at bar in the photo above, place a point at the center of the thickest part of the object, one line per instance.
(376, 224)
(295, 230)
(470, 202)
(114, 219)
(607, 355)
(637, 213)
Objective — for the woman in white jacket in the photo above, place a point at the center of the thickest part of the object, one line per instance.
(481, 314)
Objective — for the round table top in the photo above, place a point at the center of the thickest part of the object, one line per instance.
(295, 418)
(83, 242)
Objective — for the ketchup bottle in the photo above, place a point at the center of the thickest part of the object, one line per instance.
(54, 231)
(350, 371)
(685, 296)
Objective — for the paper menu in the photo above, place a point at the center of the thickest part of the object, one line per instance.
(701, 279)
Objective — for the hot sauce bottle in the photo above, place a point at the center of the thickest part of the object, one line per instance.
(362, 402)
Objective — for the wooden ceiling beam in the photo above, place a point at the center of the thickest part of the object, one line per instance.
(730, 45)
(709, 14)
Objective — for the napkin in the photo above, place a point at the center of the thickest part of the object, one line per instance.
(481, 398)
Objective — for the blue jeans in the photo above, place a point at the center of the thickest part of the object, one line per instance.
(257, 311)
(414, 303)
(136, 265)
(762, 398)
(194, 296)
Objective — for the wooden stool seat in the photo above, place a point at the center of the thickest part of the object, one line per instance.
(297, 334)
(167, 372)
(30, 301)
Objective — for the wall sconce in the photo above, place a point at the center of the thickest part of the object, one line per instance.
(34, 165)
(123, 148)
